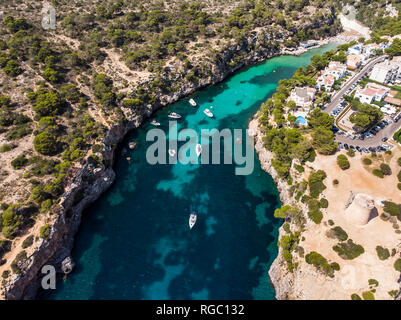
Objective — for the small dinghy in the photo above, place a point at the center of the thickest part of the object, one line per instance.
(155, 123)
(208, 113)
(192, 220)
(172, 152)
(193, 102)
(198, 150)
(174, 115)
(132, 145)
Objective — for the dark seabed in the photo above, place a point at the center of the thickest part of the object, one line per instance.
(135, 243)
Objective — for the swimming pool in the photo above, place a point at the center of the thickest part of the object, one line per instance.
(301, 120)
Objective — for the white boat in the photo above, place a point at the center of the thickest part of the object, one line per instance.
(208, 113)
(193, 102)
(174, 115)
(155, 123)
(172, 152)
(192, 220)
(198, 150)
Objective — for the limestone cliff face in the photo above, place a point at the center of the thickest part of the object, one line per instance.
(287, 285)
(88, 183)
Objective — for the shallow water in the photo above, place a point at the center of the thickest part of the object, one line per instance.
(135, 243)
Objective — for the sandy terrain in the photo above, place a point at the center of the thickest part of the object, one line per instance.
(354, 274)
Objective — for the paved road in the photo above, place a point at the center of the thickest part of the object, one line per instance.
(335, 101)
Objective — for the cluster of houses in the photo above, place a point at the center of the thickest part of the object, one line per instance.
(359, 54)
(385, 72)
(388, 71)
(333, 72)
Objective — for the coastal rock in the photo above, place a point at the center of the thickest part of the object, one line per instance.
(67, 265)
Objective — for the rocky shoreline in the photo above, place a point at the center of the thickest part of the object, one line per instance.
(281, 279)
(90, 182)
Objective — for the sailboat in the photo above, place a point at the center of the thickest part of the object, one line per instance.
(192, 220)
(198, 149)
(193, 102)
(208, 113)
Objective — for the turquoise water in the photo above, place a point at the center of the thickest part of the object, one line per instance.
(135, 243)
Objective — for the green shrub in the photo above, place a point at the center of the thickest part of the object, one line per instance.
(355, 297)
(343, 162)
(19, 260)
(316, 216)
(316, 185)
(19, 132)
(45, 231)
(378, 173)
(385, 168)
(287, 256)
(399, 176)
(336, 182)
(324, 203)
(368, 295)
(45, 143)
(351, 153)
(19, 162)
(339, 233)
(399, 161)
(392, 208)
(367, 161)
(397, 265)
(399, 186)
(373, 283)
(5, 274)
(27, 242)
(299, 168)
(348, 250)
(7, 147)
(320, 263)
(382, 253)
(335, 266)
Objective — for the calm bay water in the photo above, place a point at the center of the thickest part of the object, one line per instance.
(135, 243)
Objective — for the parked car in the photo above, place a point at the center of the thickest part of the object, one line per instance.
(372, 149)
(384, 139)
(352, 148)
(346, 147)
(359, 148)
(365, 150)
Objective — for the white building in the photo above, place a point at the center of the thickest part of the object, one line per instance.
(357, 49)
(370, 49)
(372, 92)
(384, 72)
(354, 61)
(326, 81)
(303, 97)
(336, 69)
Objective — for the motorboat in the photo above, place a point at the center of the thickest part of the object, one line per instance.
(193, 102)
(208, 113)
(174, 115)
(172, 152)
(198, 150)
(155, 123)
(192, 220)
